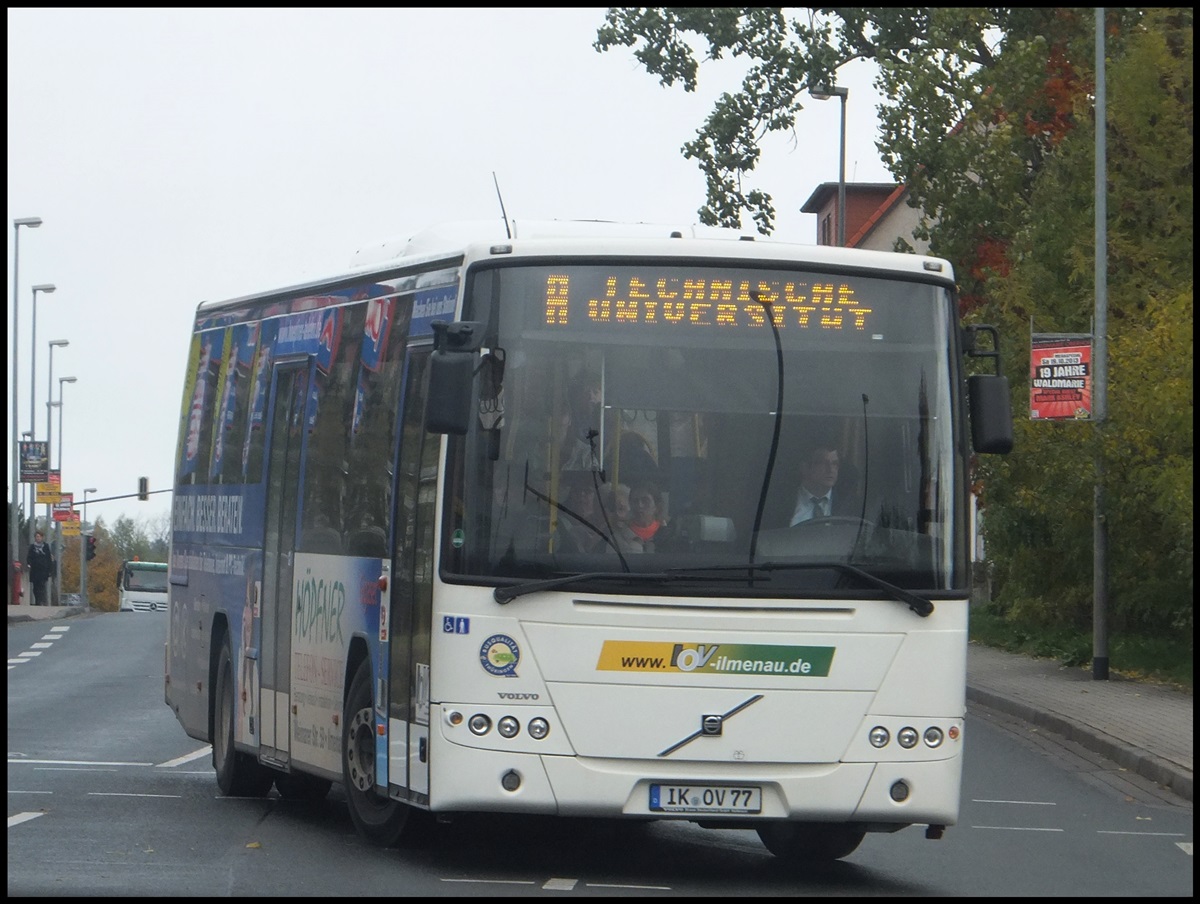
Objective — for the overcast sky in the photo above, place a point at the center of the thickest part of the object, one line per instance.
(180, 156)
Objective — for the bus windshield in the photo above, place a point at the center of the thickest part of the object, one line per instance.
(150, 577)
(661, 418)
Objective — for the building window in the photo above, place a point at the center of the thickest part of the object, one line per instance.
(826, 230)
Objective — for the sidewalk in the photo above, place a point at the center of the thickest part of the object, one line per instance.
(1143, 727)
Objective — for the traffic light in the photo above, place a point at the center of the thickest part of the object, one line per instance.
(143, 488)
(91, 548)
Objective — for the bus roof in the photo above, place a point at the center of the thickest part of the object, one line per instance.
(456, 242)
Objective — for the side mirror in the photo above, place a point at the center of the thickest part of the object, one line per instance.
(451, 374)
(988, 396)
(991, 414)
(448, 409)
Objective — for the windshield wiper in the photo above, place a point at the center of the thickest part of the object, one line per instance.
(918, 604)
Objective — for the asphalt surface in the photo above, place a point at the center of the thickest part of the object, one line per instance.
(1143, 727)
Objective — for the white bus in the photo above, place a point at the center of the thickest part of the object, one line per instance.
(381, 478)
(142, 586)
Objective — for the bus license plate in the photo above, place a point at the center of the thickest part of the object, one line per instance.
(706, 798)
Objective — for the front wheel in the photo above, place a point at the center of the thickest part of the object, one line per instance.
(811, 842)
(238, 774)
(378, 819)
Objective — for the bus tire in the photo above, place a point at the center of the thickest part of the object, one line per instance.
(378, 819)
(238, 774)
(301, 786)
(811, 842)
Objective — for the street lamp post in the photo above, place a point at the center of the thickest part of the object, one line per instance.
(59, 406)
(14, 524)
(47, 288)
(83, 599)
(824, 93)
(50, 523)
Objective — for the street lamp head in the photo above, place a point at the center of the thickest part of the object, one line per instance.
(62, 380)
(91, 490)
(60, 342)
(44, 287)
(32, 222)
(824, 92)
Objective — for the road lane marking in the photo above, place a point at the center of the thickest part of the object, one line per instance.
(560, 884)
(1154, 834)
(492, 881)
(187, 757)
(12, 760)
(22, 817)
(129, 794)
(1017, 828)
(1027, 803)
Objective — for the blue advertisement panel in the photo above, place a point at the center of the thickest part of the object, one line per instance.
(430, 305)
(334, 599)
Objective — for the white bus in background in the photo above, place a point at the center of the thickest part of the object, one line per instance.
(142, 586)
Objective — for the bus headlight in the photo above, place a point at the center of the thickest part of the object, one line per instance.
(879, 736)
(508, 727)
(907, 737)
(479, 724)
(538, 728)
(933, 736)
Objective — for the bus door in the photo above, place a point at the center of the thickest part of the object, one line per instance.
(289, 405)
(412, 589)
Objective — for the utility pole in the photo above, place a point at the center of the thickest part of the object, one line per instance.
(1099, 516)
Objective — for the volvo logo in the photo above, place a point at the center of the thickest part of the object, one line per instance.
(711, 725)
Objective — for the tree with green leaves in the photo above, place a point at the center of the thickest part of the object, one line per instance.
(988, 118)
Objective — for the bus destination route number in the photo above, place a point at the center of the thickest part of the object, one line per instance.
(705, 799)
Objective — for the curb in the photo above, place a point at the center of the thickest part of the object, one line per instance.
(64, 612)
(1136, 760)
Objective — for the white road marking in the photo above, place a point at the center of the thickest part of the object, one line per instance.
(1027, 803)
(187, 757)
(11, 760)
(39, 646)
(1017, 828)
(129, 794)
(492, 881)
(59, 629)
(632, 887)
(1185, 846)
(560, 884)
(22, 817)
(1154, 834)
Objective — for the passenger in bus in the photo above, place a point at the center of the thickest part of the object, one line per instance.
(580, 447)
(646, 519)
(616, 503)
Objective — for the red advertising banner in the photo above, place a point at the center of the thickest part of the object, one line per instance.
(1060, 371)
(63, 510)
